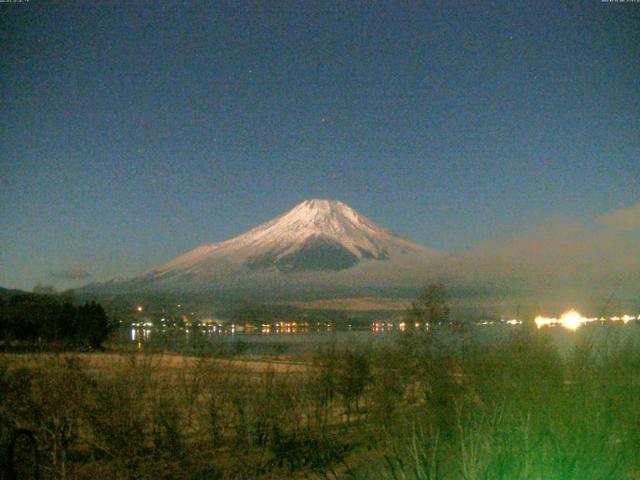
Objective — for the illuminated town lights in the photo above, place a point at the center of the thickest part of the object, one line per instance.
(544, 321)
(571, 320)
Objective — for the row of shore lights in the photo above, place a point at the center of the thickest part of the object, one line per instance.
(572, 320)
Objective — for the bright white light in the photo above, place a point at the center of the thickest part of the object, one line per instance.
(544, 321)
(572, 320)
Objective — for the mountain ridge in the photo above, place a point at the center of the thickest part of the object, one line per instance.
(318, 241)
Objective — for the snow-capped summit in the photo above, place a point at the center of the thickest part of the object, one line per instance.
(315, 236)
(337, 222)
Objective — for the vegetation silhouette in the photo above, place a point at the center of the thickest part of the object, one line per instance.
(509, 407)
(53, 321)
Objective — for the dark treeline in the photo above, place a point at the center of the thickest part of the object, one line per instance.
(54, 320)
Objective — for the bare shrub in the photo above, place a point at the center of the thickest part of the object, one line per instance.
(389, 382)
(119, 412)
(352, 377)
(48, 400)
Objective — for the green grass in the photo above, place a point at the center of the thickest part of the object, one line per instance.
(428, 407)
(521, 411)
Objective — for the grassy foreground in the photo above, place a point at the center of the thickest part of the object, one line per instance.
(428, 407)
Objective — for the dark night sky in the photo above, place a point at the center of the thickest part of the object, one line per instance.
(131, 132)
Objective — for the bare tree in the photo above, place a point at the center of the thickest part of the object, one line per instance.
(431, 307)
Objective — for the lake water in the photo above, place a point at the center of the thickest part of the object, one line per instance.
(302, 341)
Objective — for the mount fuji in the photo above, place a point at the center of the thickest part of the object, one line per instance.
(318, 243)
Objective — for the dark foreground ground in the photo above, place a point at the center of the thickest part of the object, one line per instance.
(420, 407)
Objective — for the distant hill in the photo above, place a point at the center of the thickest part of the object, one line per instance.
(7, 292)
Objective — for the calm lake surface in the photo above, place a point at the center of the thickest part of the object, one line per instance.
(343, 336)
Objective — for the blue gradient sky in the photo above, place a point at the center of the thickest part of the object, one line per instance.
(131, 132)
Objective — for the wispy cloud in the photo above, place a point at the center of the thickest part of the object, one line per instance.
(586, 260)
(73, 274)
(623, 219)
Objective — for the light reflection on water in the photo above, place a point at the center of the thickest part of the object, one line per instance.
(305, 337)
(140, 334)
(286, 335)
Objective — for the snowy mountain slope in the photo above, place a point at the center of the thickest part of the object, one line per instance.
(317, 242)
